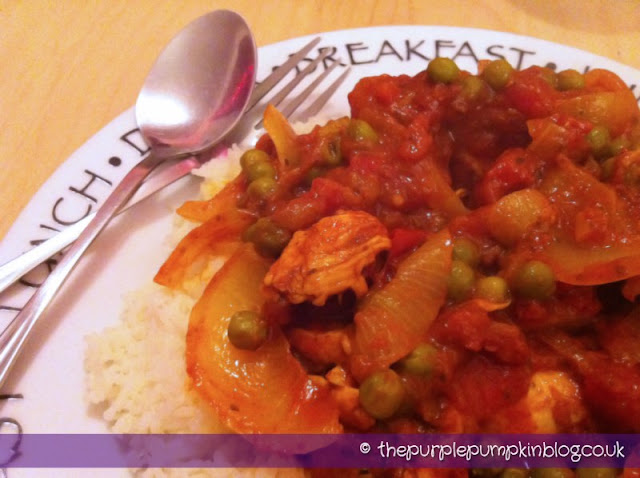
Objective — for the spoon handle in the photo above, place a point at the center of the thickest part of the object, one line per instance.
(16, 268)
(13, 338)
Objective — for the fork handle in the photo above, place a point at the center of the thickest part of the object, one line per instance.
(16, 268)
(13, 338)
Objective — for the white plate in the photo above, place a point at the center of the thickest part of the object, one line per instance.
(49, 377)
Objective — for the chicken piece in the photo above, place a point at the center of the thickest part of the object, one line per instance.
(321, 346)
(554, 391)
(553, 404)
(328, 258)
(346, 395)
(339, 377)
(351, 412)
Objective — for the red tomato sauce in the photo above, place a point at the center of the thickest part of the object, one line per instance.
(501, 295)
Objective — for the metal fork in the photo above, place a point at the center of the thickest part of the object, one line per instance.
(13, 270)
(13, 338)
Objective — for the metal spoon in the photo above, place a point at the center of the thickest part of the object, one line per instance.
(196, 92)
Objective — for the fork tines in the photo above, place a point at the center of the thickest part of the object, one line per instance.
(321, 100)
(278, 74)
(274, 78)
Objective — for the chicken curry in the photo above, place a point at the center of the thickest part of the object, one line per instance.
(460, 255)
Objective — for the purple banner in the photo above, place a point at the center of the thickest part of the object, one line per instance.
(319, 451)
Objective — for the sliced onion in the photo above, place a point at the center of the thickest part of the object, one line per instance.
(395, 319)
(282, 135)
(216, 237)
(261, 391)
(573, 264)
(572, 190)
(614, 109)
(223, 204)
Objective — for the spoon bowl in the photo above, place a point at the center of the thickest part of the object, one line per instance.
(199, 86)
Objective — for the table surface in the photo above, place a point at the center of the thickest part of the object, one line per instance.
(70, 67)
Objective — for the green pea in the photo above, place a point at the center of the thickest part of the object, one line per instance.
(331, 153)
(251, 157)
(570, 80)
(497, 74)
(514, 473)
(247, 330)
(473, 87)
(421, 361)
(268, 238)
(382, 394)
(618, 145)
(535, 280)
(261, 169)
(596, 472)
(551, 473)
(443, 70)
(493, 289)
(261, 187)
(599, 139)
(461, 281)
(360, 130)
(549, 76)
(466, 250)
(256, 164)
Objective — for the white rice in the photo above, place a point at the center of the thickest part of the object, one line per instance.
(135, 371)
